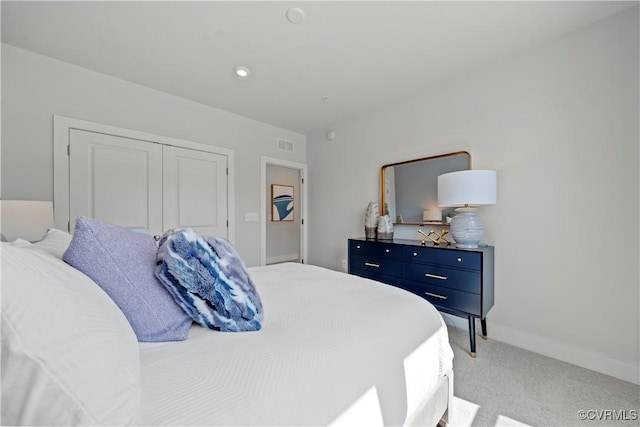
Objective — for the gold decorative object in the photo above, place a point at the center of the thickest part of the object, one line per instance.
(436, 238)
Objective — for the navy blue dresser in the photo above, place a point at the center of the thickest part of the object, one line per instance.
(456, 281)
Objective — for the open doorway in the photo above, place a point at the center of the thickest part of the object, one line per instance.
(284, 205)
(283, 215)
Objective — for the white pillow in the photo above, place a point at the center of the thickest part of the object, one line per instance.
(55, 242)
(69, 356)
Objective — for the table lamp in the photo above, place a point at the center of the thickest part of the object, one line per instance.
(430, 215)
(465, 190)
(25, 219)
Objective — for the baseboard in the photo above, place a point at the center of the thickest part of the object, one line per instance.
(283, 258)
(541, 345)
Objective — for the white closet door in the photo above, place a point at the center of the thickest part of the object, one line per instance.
(116, 180)
(195, 191)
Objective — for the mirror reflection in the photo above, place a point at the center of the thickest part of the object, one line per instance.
(409, 190)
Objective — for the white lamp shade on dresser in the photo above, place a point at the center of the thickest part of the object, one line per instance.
(431, 215)
(25, 219)
(467, 188)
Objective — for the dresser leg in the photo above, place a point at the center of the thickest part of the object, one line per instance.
(483, 323)
(472, 335)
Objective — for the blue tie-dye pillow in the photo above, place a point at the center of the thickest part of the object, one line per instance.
(207, 278)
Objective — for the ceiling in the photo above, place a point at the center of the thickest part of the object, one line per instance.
(345, 58)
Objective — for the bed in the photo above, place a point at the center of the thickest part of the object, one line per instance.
(334, 349)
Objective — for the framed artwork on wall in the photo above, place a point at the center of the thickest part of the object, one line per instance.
(281, 202)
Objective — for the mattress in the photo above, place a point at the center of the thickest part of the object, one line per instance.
(334, 349)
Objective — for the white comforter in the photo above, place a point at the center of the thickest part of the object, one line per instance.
(334, 348)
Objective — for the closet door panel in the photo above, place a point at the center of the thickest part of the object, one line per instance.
(195, 191)
(116, 180)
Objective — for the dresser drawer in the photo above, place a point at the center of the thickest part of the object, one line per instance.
(377, 275)
(468, 281)
(448, 257)
(388, 267)
(375, 249)
(446, 298)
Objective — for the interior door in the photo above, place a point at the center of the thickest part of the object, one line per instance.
(195, 191)
(116, 180)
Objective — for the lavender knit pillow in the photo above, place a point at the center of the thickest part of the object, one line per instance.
(122, 263)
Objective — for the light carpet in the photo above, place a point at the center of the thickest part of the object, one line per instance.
(507, 386)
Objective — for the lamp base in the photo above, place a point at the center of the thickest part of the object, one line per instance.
(467, 228)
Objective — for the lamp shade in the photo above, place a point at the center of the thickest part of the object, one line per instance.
(432, 215)
(25, 219)
(467, 188)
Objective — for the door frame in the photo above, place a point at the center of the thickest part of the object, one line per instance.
(302, 169)
(61, 133)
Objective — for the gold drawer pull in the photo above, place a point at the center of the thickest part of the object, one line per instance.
(435, 295)
(370, 264)
(435, 276)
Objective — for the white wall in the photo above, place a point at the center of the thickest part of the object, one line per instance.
(35, 87)
(560, 125)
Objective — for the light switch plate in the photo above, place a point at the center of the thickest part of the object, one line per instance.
(251, 216)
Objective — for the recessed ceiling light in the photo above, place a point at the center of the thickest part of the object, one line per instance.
(241, 71)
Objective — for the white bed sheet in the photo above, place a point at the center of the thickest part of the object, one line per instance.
(334, 348)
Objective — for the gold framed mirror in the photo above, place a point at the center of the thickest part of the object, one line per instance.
(409, 189)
